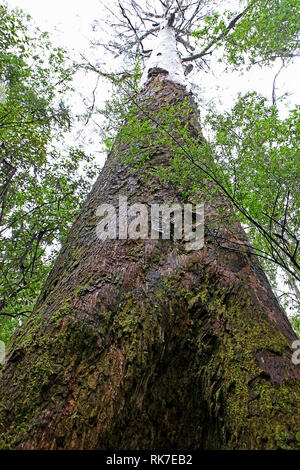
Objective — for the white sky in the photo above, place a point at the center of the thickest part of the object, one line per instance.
(72, 18)
(69, 21)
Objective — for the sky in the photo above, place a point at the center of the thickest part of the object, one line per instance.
(71, 18)
(69, 22)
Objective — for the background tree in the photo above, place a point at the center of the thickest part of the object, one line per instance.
(42, 184)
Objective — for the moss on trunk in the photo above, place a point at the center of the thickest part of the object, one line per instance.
(142, 345)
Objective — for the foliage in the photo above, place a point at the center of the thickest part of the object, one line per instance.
(259, 155)
(252, 158)
(252, 155)
(262, 32)
(41, 187)
(125, 87)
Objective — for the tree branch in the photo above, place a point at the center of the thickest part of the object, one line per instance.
(222, 35)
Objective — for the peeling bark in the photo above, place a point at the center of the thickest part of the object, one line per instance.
(139, 344)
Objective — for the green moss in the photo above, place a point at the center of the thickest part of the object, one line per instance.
(218, 338)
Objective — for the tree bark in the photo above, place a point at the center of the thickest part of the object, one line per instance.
(139, 344)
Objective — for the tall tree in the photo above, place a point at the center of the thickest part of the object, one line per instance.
(256, 158)
(138, 343)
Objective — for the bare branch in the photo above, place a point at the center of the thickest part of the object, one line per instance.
(222, 35)
(15, 315)
(274, 83)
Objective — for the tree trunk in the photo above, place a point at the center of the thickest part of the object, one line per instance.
(139, 344)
